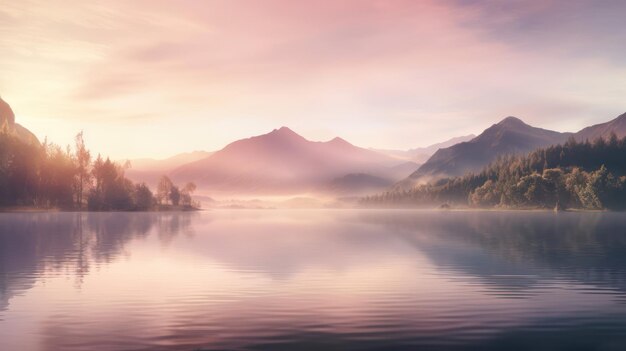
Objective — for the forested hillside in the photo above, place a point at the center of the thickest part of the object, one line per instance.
(48, 176)
(584, 175)
(511, 136)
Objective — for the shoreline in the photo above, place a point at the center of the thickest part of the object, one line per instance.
(27, 209)
(23, 209)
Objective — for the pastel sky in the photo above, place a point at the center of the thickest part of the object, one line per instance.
(153, 77)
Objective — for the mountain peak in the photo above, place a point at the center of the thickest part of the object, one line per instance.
(284, 132)
(512, 121)
(339, 141)
(508, 137)
(280, 162)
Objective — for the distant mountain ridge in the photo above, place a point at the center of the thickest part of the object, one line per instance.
(283, 162)
(421, 154)
(604, 130)
(509, 136)
(176, 160)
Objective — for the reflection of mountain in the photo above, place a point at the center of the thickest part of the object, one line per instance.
(282, 244)
(508, 250)
(348, 280)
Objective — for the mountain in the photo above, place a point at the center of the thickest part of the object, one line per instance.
(402, 170)
(594, 173)
(281, 162)
(421, 154)
(149, 170)
(509, 136)
(604, 130)
(7, 117)
(7, 120)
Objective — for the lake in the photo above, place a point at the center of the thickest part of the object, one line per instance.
(313, 280)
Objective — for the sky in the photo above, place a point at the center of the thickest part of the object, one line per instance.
(152, 78)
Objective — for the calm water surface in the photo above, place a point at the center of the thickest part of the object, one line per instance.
(313, 280)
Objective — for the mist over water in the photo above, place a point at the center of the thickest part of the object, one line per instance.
(312, 279)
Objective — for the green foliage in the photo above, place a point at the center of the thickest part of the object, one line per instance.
(573, 175)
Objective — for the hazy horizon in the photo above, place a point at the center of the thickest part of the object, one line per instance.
(169, 77)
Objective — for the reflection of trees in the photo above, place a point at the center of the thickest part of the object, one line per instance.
(528, 246)
(171, 224)
(31, 244)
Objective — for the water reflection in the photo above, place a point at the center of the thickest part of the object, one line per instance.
(34, 243)
(312, 279)
(585, 247)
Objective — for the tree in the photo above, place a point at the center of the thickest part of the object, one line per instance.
(174, 195)
(58, 174)
(47, 175)
(555, 184)
(188, 189)
(112, 190)
(83, 160)
(144, 200)
(485, 195)
(163, 189)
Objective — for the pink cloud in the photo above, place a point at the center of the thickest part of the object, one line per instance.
(371, 71)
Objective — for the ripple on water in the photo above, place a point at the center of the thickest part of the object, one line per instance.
(344, 280)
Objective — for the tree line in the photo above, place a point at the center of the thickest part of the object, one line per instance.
(576, 174)
(48, 176)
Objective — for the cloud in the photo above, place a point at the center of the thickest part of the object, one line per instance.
(350, 68)
(578, 28)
